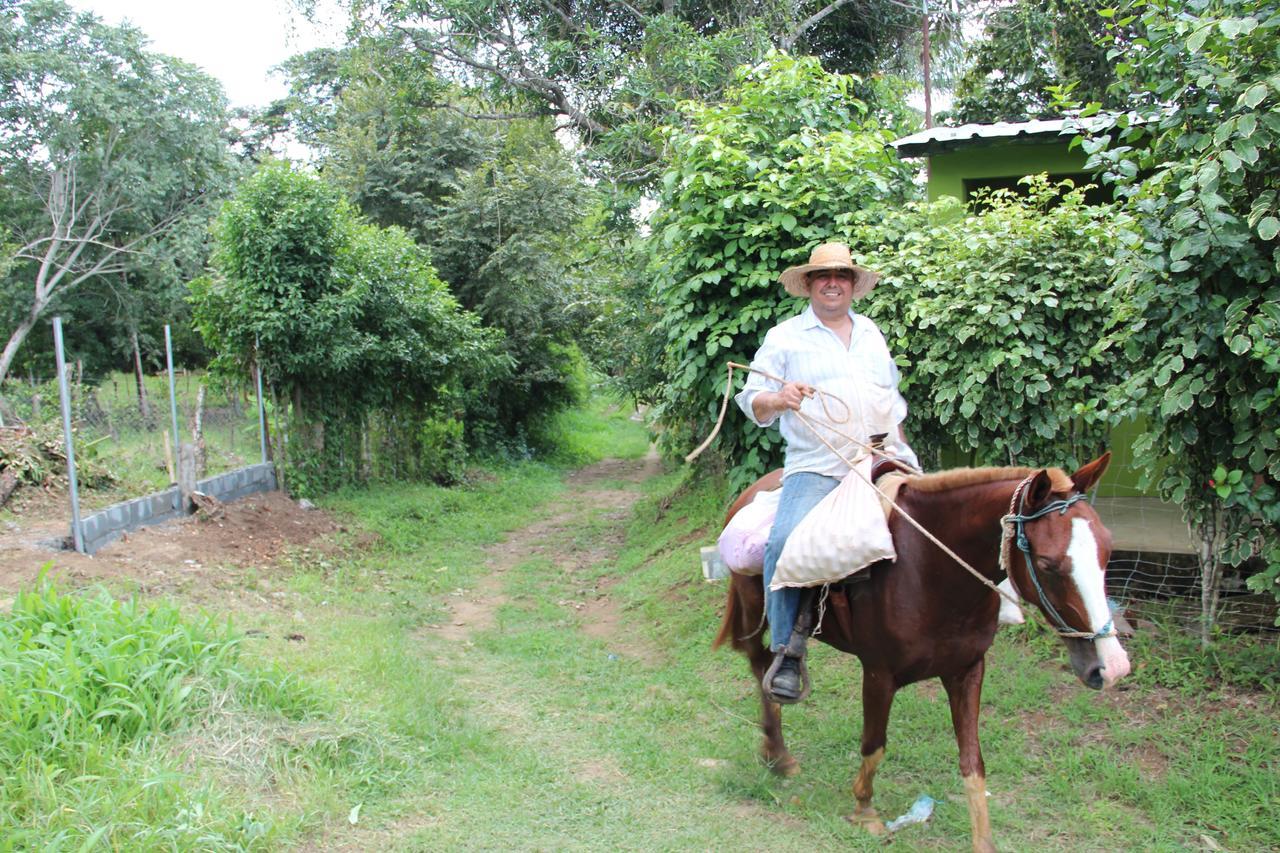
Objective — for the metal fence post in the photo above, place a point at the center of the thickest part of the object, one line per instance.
(64, 393)
(173, 394)
(262, 410)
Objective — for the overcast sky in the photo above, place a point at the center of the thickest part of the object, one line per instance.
(236, 41)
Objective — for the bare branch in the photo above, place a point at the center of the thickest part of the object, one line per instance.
(632, 9)
(560, 13)
(808, 23)
(522, 78)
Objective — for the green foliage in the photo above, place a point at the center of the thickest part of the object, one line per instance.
(1197, 294)
(113, 157)
(993, 316)
(1030, 48)
(514, 229)
(380, 122)
(569, 60)
(346, 319)
(507, 243)
(789, 160)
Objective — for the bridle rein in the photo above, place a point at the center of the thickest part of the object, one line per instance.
(1014, 525)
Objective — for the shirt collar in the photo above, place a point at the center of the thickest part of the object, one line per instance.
(809, 320)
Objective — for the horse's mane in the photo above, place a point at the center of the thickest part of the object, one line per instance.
(944, 481)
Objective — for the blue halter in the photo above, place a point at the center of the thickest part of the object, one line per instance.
(1020, 537)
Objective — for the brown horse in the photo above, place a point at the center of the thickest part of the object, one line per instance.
(925, 616)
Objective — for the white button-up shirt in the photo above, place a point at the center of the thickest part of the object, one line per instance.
(863, 375)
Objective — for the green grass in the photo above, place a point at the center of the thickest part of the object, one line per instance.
(587, 746)
(89, 686)
(531, 733)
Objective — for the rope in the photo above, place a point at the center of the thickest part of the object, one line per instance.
(822, 397)
(724, 405)
(1006, 522)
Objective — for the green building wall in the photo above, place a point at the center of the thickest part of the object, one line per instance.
(948, 171)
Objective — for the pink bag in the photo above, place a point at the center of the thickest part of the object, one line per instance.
(743, 539)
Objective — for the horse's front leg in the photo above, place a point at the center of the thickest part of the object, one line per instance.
(964, 689)
(877, 698)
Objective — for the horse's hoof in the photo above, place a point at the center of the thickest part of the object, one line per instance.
(868, 819)
(785, 765)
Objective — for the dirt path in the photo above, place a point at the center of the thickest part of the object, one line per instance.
(606, 487)
(602, 495)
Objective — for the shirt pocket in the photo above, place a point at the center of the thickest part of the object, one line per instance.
(881, 372)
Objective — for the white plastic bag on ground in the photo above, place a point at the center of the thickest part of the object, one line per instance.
(845, 532)
(743, 539)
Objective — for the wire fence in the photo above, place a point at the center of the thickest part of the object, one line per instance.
(122, 427)
(1155, 568)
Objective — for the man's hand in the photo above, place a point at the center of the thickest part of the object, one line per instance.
(770, 403)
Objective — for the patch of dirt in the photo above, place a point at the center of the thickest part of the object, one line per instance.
(601, 770)
(472, 611)
(190, 553)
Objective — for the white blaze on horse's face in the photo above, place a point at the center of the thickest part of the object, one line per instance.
(1086, 571)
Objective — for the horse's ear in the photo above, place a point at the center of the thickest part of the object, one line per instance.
(1088, 476)
(1038, 492)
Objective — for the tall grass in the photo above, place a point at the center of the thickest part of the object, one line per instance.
(87, 686)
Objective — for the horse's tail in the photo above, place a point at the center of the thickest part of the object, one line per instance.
(743, 613)
(731, 609)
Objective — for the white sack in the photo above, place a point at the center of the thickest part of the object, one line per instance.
(845, 532)
(1010, 613)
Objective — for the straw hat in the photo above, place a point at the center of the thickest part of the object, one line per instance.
(829, 256)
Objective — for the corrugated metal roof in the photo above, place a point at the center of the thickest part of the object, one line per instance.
(937, 139)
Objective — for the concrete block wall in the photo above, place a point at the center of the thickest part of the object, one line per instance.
(107, 525)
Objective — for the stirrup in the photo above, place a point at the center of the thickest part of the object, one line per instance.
(794, 649)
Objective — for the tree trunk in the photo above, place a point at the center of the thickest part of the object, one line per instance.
(143, 408)
(1210, 575)
(15, 341)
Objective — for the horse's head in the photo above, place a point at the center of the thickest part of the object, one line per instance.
(1057, 562)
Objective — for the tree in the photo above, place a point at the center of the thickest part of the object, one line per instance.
(1028, 49)
(347, 320)
(384, 128)
(508, 244)
(614, 71)
(1197, 292)
(107, 147)
(789, 160)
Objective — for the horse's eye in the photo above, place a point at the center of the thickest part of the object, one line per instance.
(1044, 564)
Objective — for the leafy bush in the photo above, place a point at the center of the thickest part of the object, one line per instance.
(993, 316)
(349, 322)
(1198, 294)
(788, 160)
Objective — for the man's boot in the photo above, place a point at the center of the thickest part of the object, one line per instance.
(787, 679)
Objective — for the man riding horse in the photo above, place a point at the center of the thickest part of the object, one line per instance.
(830, 347)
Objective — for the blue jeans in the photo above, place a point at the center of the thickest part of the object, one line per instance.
(801, 492)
